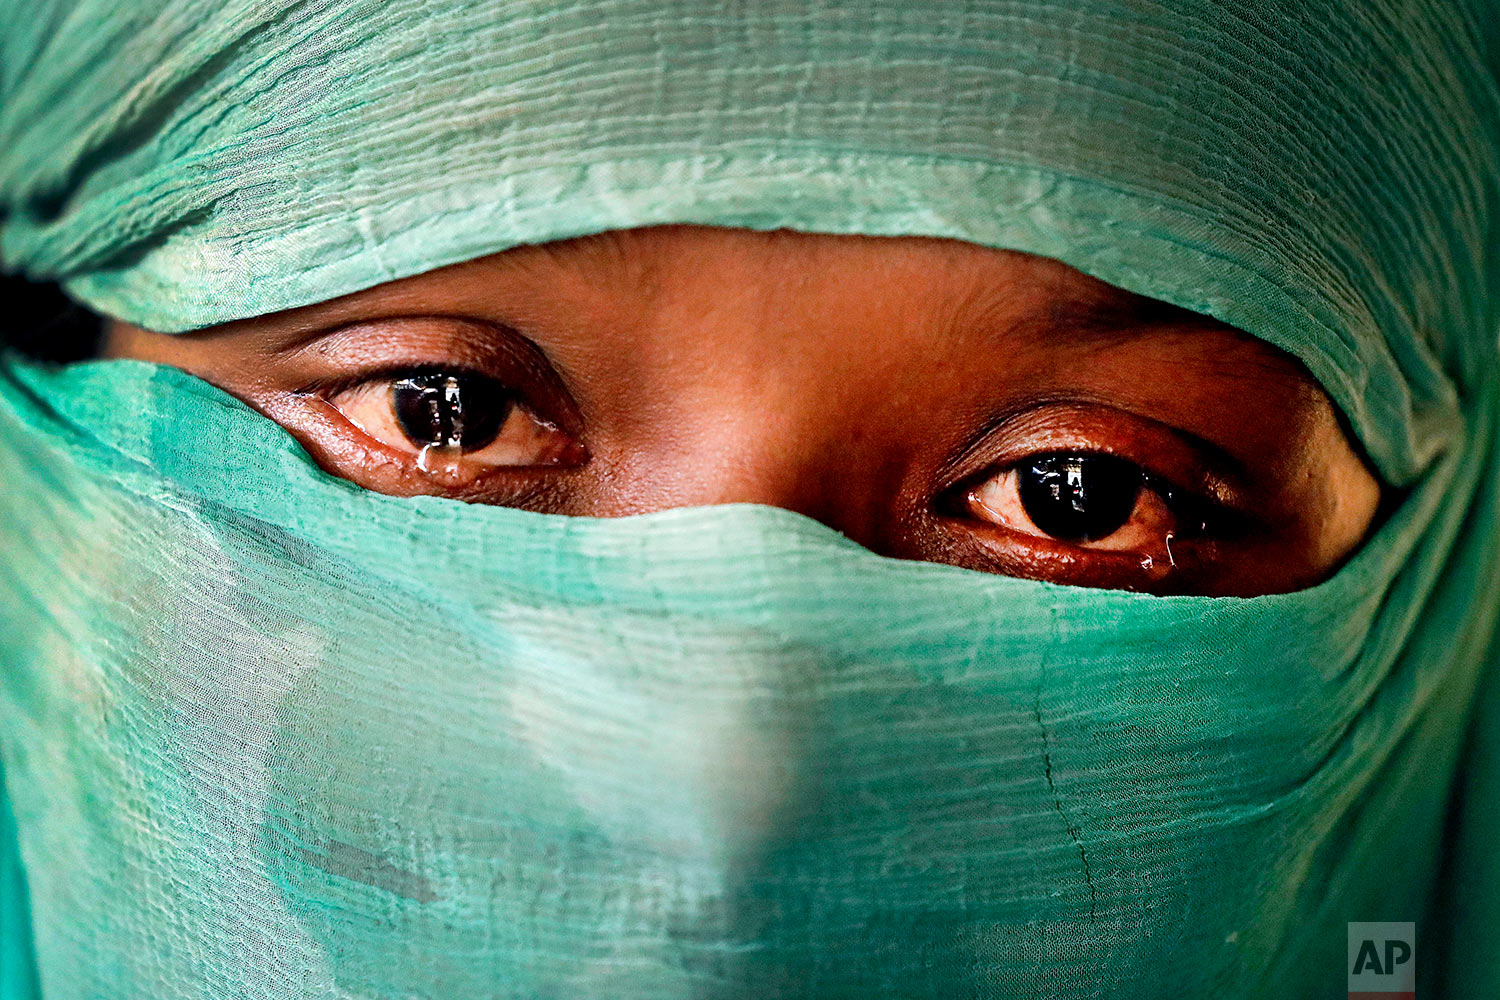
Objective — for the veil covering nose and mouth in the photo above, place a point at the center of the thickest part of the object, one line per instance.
(265, 734)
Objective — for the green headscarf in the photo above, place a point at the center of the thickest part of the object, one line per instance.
(268, 735)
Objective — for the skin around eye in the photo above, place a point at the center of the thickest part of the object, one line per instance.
(1078, 498)
(1092, 501)
(929, 399)
(1090, 494)
(453, 425)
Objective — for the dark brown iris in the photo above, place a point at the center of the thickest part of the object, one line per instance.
(450, 410)
(1079, 498)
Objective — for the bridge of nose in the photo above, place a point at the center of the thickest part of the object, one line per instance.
(831, 434)
(825, 465)
(814, 383)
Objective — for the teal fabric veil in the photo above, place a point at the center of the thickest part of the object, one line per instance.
(267, 735)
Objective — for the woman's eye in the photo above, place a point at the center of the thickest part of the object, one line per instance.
(455, 424)
(449, 411)
(1094, 500)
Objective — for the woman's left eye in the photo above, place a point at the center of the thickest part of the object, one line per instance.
(453, 421)
(1088, 500)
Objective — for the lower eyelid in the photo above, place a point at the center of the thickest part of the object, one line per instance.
(1039, 557)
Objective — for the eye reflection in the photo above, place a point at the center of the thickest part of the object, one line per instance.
(456, 424)
(1078, 498)
(450, 411)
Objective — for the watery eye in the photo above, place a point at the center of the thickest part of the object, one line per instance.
(450, 411)
(1078, 498)
(454, 425)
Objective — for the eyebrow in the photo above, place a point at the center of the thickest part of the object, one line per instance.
(1098, 317)
(1117, 317)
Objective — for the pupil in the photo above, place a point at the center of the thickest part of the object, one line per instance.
(440, 410)
(1079, 498)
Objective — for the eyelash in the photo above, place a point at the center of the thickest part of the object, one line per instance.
(1200, 517)
(1205, 515)
(1198, 510)
(326, 388)
(558, 450)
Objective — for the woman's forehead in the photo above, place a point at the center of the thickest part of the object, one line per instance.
(644, 264)
(945, 282)
(681, 308)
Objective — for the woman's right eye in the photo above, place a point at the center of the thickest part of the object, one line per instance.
(455, 424)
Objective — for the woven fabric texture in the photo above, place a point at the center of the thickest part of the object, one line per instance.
(265, 734)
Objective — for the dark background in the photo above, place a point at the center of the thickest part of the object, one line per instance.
(41, 321)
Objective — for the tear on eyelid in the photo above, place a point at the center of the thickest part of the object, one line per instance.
(386, 347)
(1191, 465)
(1000, 498)
(527, 440)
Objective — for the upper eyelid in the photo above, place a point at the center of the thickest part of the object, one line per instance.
(335, 384)
(427, 340)
(353, 333)
(1008, 438)
(372, 349)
